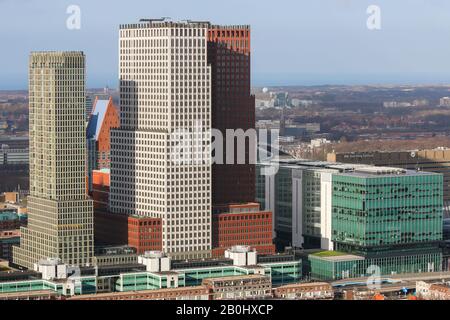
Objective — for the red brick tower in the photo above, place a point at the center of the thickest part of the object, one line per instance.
(233, 107)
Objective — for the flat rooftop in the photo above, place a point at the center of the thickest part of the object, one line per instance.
(372, 172)
(336, 256)
(360, 170)
(231, 278)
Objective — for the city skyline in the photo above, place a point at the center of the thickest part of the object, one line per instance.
(209, 172)
(320, 42)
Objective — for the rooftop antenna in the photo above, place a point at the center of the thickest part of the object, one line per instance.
(162, 19)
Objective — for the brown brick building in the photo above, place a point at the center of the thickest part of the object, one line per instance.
(242, 224)
(142, 233)
(233, 107)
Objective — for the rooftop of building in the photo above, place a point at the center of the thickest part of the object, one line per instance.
(250, 207)
(317, 165)
(117, 269)
(141, 293)
(103, 170)
(357, 153)
(372, 171)
(336, 256)
(27, 294)
(304, 285)
(359, 170)
(240, 277)
(166, 22)
(203, 263)
(14, 275)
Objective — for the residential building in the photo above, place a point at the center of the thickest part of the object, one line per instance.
(252, 286)
(60, 214)
(181, 293)
(433, 291)
(305, 291)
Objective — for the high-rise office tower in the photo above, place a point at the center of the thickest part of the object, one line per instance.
(165, 87)
(60, 217)
(233, 107)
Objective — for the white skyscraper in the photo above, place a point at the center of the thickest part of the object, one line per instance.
(165, 86)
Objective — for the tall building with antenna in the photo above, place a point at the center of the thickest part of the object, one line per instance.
(165, 88)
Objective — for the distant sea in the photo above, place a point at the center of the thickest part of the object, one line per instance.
(282, 79)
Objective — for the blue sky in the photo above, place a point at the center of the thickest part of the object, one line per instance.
(304, 42)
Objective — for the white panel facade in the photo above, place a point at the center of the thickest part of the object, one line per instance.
(165, 87)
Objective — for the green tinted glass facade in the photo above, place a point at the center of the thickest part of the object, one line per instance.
(389, 222)
(387, 210)
(284, 272)
(335, 269)
(30, 285)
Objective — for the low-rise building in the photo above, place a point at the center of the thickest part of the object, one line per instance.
(305, 291)
(154, 271)
(241, 224)
(433, 291)
(188, 293)
(8, 239)
(142, 233)
(252, 286)
(10, 219)
(115, 255)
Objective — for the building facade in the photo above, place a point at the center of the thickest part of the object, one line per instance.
(8, 239)
(305, 291)
(384, 218)
(60, 223)
(165, 91)
(103, 117)
(431, 160)
(299, 195)
(243, 224)
(252, 286)
(233, 107)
